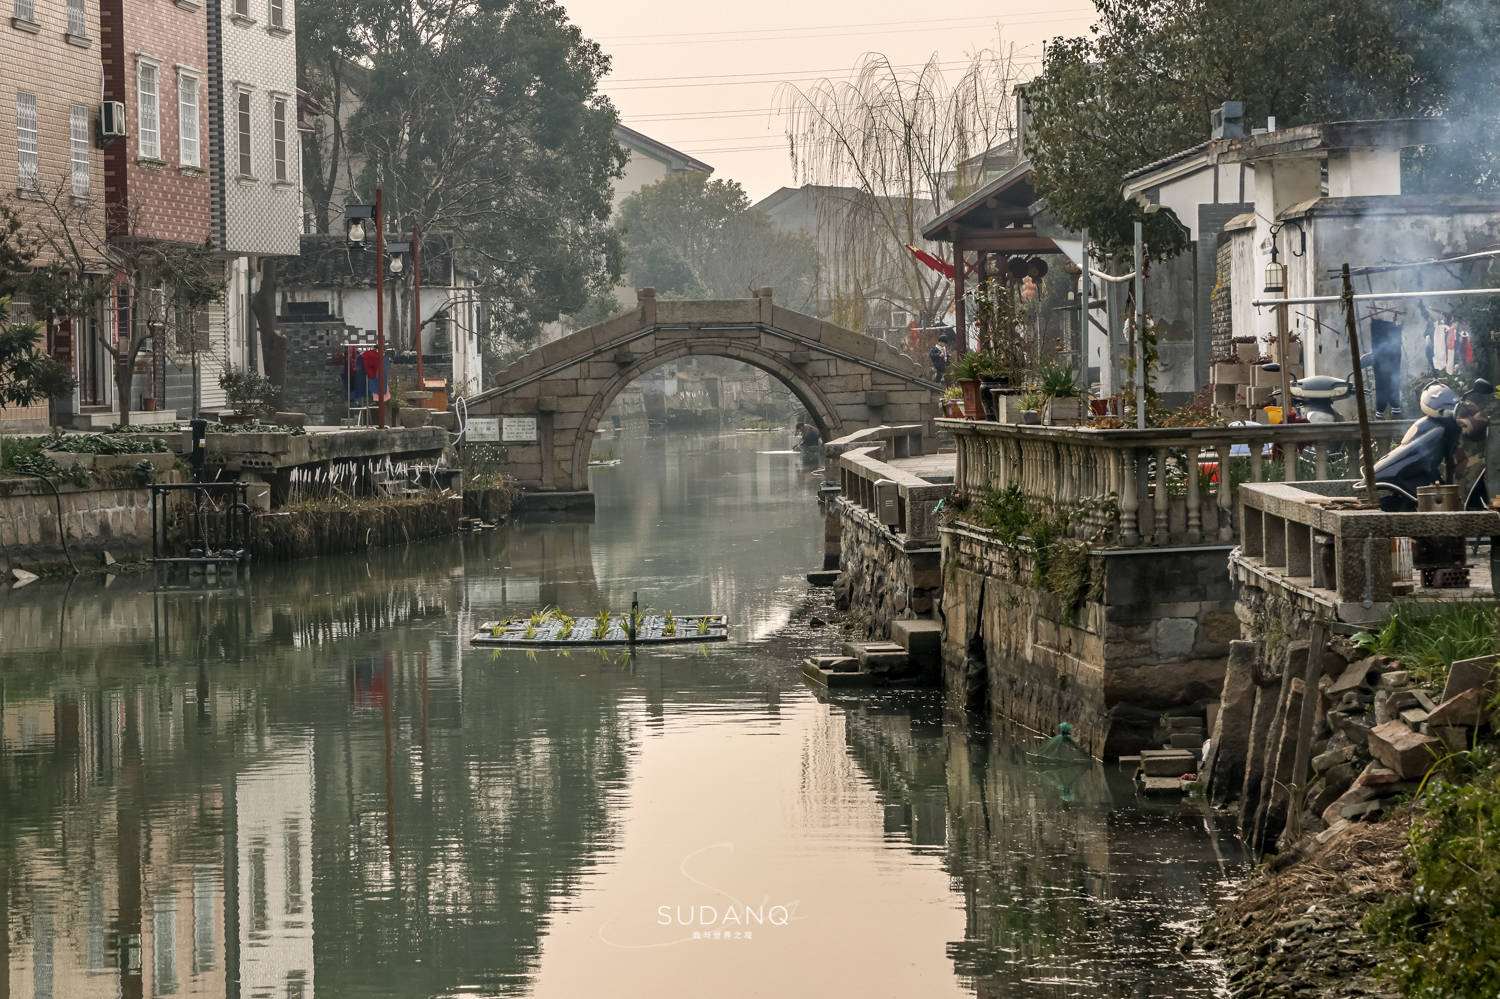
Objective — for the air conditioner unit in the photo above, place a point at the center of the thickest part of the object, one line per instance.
(112, 120)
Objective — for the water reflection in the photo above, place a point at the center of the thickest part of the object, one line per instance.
(311, 785)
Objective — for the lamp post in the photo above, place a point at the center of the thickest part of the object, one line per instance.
(356, 217)
(1276, 283)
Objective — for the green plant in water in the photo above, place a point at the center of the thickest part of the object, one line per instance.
(601, 625)
(669, 625)
(703, 625)
(530, 630)
(567, 627)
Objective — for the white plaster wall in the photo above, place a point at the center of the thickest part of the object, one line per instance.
(262, 216)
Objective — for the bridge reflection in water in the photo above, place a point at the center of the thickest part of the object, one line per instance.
(312, 786)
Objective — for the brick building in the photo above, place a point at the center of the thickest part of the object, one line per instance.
(49, 152)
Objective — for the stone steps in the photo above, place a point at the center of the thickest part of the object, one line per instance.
(921, 638)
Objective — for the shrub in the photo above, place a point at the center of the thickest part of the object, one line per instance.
(1443, 932)
(248, 392)
(1429, 639)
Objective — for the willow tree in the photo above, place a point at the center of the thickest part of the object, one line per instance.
(886, 151)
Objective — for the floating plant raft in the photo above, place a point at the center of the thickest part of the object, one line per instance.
(560, 631)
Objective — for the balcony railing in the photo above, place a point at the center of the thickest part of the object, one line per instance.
(1315, 539)
(1134, 486)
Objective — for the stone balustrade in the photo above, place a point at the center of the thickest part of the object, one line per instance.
(1313, 540)
(903, 502)
(1133, 486)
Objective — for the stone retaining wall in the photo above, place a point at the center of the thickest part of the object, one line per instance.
(880, 577)
(1150, 635)
(95, 518)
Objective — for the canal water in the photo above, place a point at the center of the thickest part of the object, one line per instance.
(308, 784)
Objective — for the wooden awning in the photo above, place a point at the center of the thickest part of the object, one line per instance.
(994, 219)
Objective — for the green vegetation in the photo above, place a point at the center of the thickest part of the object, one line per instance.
(703, 625)
(1442, 933)
(1056, 381)
(669, 627)
(248, 392)
(112, 443)
(601, 456)
(1059, 564)
(601, 624)
(1428, 639)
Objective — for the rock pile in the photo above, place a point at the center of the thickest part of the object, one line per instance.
(1376, 733)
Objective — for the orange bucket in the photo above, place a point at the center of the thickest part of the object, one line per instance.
(1273, 414)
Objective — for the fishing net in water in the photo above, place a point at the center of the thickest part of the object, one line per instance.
(1060, 750)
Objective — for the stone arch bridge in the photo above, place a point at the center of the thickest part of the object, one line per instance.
(846, 380)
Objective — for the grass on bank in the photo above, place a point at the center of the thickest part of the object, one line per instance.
(1429, 638)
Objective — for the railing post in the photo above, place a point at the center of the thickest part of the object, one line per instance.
(1194, 513)
(1225, 495)
(1130, 504)
(1320, 452)
(1256, 473)
(1162, 531)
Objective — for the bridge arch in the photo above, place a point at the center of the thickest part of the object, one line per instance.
(847, 381)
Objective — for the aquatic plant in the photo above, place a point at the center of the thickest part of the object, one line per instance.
(601, 624)
(567, 626)
(669, 627)
(530, 629)
(703, 625)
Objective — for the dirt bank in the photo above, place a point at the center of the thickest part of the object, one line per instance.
(1295, 929)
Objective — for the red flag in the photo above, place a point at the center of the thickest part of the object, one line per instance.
(941, 266)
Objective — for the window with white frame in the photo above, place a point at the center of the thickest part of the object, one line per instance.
(78, 148)
(242, 131)
(24, 10)
(242, 8)
(187, 118)
(276, 13)
(148, 109)
(78, 19)
(28, 157)
(278, 138)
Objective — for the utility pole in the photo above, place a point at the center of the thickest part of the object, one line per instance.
(1372, 497)
(1140, 329)
(382, 380)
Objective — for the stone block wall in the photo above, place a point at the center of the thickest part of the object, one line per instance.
(1221, 309)
(314, 384)
(96, 519)
(1150, 635)
(881, 579)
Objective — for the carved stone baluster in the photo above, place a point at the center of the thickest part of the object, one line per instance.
(1163, 530)
(1320, 451)
(1226, 496)
(1130, 504)
(1256, 473)
(1194, 513)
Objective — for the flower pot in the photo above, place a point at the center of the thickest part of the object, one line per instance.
(1099, 407)
(1060, 411)
(148, 405)
(988, 387)
(236, 419)
(973, 402)
(953, 409)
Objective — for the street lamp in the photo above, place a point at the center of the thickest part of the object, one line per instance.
(398, 253)
(357, 222)
(357, 219)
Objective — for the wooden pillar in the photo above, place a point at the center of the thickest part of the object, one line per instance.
(960, 319)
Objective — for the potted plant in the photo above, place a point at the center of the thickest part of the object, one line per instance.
(965, 374)
(953, 402)
(994, 377)
(1031, 407)
(248, 393)
(1063, 399)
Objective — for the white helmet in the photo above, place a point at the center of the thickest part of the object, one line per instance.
(1438, 400)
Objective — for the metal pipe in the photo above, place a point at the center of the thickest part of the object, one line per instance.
(1382, 268)
(1084, 305)
(1374, 296)
(1367, 446)
(383, 379)
(1140, 329)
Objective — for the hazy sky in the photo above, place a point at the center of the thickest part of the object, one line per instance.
(703, 77)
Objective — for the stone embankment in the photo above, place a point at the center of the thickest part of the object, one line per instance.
(95, 518)
(1329, 800)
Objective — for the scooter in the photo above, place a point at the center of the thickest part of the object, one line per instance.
(1315, 395)
(1428, 453)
